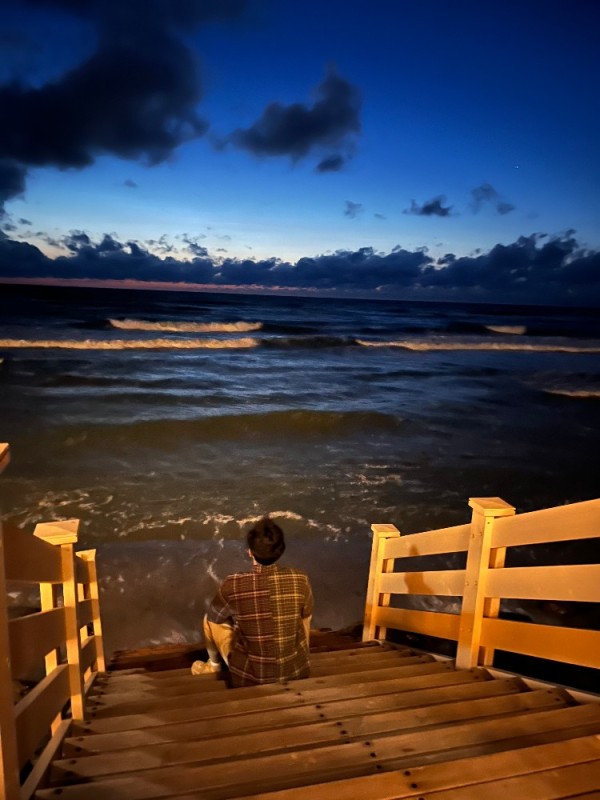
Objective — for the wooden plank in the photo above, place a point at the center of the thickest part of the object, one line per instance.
(485, 511)
(29, 559)
(444, 540)
(580, 582)
(9, 766)
(448, 582)
(562, 523)
(228, 779)
(462, 772)
(85, 612)
(493, 507)
(37, 710)
(569, 645)
(321, 733)
(88, 653)
(269, 719)
(429, 622)
(32, 637)
(73, 644)
(186, 683)
(129, 704)
(377, 566)
(547, 785)
(88, 557)
(36, 777)
(82, 569)
(128, 677)
(62, 531)
(426, 676)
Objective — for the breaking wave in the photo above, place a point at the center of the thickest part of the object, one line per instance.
(185, 327)
(422, 345)
(587, 393)
(129, 344)
(512, 330)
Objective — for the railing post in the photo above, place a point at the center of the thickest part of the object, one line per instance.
(90, 557)
(378, 566)
(480, 558)
(9, 760)
(64, 534)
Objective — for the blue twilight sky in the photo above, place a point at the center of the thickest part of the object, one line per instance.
(430, 149)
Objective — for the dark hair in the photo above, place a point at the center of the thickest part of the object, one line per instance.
(266, 541)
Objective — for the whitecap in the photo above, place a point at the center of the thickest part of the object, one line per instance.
(185, 327)
(455, 344)
(130, 344)
(513, 330)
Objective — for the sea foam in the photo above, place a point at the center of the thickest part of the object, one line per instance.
(409, 344)
(129, 344)
(185, 327)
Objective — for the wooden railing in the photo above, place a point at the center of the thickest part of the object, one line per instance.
(51, 657)
(478, 629)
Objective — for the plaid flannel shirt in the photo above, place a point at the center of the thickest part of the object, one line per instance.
(266, 608)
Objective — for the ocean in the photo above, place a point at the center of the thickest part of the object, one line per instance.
(167, 422)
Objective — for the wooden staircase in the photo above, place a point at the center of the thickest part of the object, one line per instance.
(374, 722)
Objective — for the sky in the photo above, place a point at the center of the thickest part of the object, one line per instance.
(421, 150)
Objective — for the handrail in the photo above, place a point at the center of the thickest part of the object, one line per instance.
(480, 587)
(32, 647)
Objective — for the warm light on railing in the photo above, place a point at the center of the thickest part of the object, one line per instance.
(486, 581)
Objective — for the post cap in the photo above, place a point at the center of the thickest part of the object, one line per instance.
(491, 506)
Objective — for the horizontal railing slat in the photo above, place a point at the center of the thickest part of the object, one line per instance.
(32, 637)
(35, 713)
(442, 582)
(574, 521)
(575, 582)
(88, 653)
(29, 559)
(444, 540)
(430, 623)
(85, 612)
(570, 645)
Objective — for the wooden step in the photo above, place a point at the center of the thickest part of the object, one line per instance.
(277, 718)
(473, 775)
(130, 703)
(406, 751)
(274, 696)
(185, 682)
(316, 734)
(321, 663)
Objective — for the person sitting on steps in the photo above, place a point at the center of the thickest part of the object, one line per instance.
(259, 621)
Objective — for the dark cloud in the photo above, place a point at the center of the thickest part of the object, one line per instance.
(486, 195)
(534, 269)
(379, 216)
(12, 179)
(23, 221)
(529, 269)
(130, 184)
(298, 129)
(431, 208)
(134, 97)
(352, 210)
(136, 101)
(331, 164)
(192, 244)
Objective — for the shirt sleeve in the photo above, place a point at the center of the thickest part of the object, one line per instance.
(308, 605)
(220, 609)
